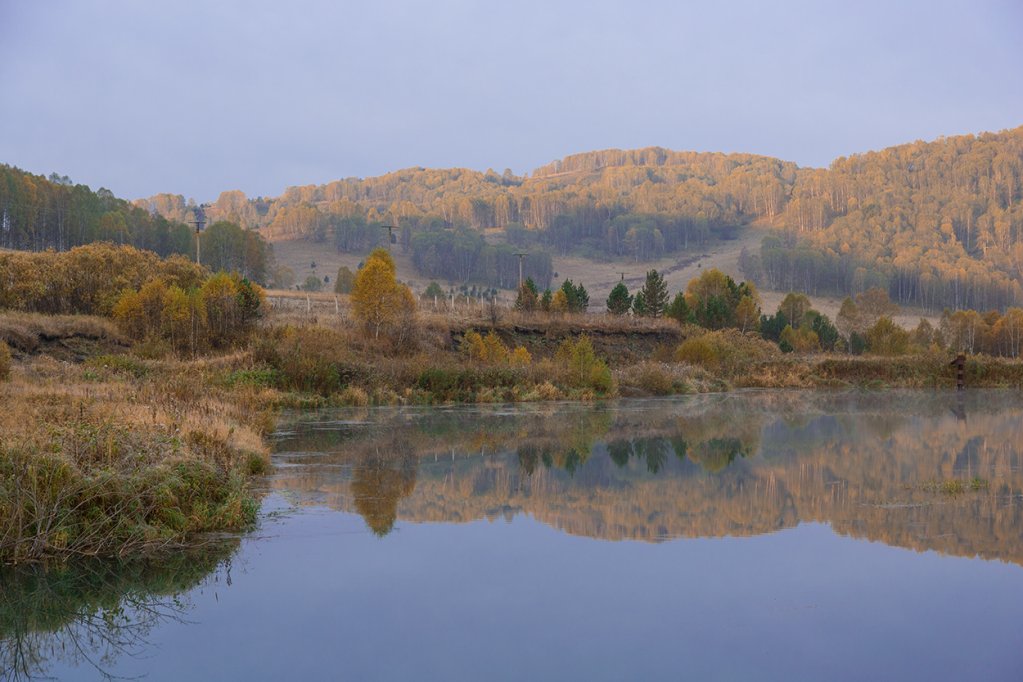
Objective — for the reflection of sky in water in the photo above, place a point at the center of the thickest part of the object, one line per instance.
(320, 597)
(315, 594)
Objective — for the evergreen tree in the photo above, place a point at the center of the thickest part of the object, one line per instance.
(433, 291)
(679, 309)
(638, 304)
(655, 294)
(619, 301)
(827, 333)
(576, 295)
(772, 326)
(582, 298)
(345, 281)
(546, 301)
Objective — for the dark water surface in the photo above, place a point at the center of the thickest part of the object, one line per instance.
(748, 536)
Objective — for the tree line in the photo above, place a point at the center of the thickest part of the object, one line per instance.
(170, 303)
(864, 323)
(38, 213)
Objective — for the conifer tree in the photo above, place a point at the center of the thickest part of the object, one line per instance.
(679, 309)
(619, 301)
(655, 294)
(638, 304)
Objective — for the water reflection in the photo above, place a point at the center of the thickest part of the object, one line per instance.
(878, 466)
(89, 614)
(377, 484)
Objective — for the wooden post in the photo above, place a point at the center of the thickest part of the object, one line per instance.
(960, 366)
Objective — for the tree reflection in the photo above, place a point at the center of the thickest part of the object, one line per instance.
(653, 452)
(529, 457)
(716, 454)
(378, 484)
(867, 464)
(90, 613)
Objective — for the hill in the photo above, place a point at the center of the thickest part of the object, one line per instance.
(936, 223)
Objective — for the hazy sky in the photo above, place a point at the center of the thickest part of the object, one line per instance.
(198, 96)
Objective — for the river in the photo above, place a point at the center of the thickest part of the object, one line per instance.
(761, 535)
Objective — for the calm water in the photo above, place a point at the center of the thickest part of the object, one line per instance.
(763, 536)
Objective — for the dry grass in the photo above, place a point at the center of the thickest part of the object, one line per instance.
(5, 361)
(118, 457)
(27, 332)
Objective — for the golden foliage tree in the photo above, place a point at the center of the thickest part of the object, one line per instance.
(887, 338)
(378, 299)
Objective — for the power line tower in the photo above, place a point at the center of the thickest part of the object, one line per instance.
(199, 220)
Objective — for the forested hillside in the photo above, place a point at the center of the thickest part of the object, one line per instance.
(39, 213)
(938, 224)
(639, 204)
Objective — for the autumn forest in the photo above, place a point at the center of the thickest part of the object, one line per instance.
(937, 224)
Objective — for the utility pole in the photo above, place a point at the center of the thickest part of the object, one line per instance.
(521, 256)
(623, 276)
(391, 239)
(199, 220)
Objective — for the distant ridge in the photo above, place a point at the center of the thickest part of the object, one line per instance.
(937, 223)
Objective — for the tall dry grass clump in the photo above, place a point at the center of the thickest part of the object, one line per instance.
(118, 461)
(5, 362)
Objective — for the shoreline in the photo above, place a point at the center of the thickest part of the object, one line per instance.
(133, 455)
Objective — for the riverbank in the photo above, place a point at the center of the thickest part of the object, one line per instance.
(111, 455)
(111, 449)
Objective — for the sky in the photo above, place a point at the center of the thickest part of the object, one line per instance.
(194, 97)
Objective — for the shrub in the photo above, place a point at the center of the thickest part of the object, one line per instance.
(261, 377)
(583, 368)
(354, 396)
(520, 357)
(495, 351)
(654, 379)
(312, 283)
(219, 313)
(87, 279)
(802, 339)
(700, 350)
(726, 350)
(463, 385)
(310, 359)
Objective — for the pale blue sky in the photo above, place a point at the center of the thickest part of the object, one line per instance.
(196, 96)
